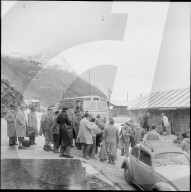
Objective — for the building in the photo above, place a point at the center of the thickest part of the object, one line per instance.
(119, 107)
(174, 103)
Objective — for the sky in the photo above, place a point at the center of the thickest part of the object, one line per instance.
(144, 40)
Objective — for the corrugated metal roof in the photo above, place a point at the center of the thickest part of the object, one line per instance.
(179, 98)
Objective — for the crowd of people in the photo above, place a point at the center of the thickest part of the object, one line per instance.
(86, 132)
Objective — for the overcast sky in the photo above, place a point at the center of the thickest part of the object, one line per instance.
(135, 40)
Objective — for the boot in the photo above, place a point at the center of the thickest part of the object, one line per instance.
(50, 148)
(112, 160)
(46, 148)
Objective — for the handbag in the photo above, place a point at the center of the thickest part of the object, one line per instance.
(26, 143)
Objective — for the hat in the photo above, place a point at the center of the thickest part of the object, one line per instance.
(98, 116)
(162, 113)
(31, 107)
(12, 105)
(50, 107)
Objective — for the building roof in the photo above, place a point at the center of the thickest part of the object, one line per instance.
(179, 98)
(119, 103)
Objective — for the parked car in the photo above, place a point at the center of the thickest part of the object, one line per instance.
(158, 166)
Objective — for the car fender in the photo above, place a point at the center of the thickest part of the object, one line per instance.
(126, 165)
(162, 186)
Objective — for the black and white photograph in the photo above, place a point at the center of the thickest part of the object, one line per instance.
(95, 95)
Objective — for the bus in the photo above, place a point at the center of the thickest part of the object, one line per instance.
(93, 104)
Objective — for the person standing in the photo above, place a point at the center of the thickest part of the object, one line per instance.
(10, 117)
(94, 131)
(185, 144)
(85, 136)
(147, 122)
(98, 136)
(153, 135)
(140, 119)
(165, 123)
(55, 131)
(125, 134)
(32, 123)
(132, 137)
(65, 133)
(21, 124)
(76, 125)
(111, 138)
(138, 133)
(46, 124)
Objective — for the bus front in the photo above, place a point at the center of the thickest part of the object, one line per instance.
(96, 106)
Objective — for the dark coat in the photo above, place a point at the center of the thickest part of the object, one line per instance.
(65, 129)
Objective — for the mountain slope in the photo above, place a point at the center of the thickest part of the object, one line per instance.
(44, 82)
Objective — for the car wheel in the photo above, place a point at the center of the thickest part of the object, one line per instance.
(127, 176)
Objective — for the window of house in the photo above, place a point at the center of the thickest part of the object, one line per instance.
(145, 157)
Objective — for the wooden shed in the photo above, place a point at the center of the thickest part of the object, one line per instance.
(174, 103)
(120, 107)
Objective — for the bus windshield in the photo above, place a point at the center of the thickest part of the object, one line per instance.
(95, 105)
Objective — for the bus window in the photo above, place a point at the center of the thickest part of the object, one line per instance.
(87, 98)
(95, 98)
(102, 106)
(90, 105)
(69, 103)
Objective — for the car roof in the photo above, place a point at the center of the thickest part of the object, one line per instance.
(156, 147)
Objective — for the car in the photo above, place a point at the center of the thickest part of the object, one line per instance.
(157, 166)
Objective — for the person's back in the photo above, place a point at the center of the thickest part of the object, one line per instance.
(111, 134)
(84, 134)
(186, 146)
(153, 135)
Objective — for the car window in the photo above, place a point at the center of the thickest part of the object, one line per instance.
(170, 158)
(135, 152)
(145, 157)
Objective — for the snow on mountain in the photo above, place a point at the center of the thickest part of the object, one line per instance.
(46, 58)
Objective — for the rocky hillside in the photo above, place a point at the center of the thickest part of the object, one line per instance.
(47, 83)
(9, 95)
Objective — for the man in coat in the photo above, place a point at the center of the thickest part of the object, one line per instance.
(65, 133)
(10, 117)
(21, 124)
(147, 122)
(125, 134)
(153, 135)
(32, 123)
(55, 132)
(98, 136)
(76, 126)
(111, 139)
(165, 123)
(45, 127)
(141, 119)
(85, 136)
(138, 133)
